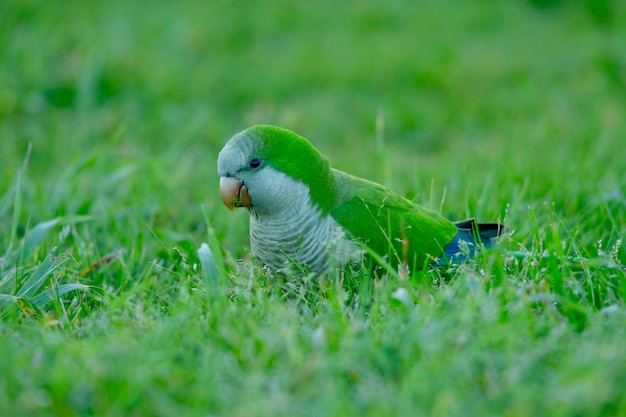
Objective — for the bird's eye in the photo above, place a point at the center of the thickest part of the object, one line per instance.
(254, 163)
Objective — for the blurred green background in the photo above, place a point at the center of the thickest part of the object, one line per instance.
(111, 117)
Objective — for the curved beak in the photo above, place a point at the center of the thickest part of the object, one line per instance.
(234, 193)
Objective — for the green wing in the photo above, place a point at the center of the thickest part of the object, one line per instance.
(388, 223)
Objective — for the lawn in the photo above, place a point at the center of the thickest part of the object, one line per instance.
(111, 118)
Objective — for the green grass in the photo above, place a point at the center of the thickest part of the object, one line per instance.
(111, 117)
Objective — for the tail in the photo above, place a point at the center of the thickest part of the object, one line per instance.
(470, 237)
(485, 233)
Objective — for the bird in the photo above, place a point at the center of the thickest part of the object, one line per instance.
(306, 215)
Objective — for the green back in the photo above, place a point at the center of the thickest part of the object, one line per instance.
(389, 223)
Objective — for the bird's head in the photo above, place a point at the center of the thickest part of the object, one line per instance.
(265, 168)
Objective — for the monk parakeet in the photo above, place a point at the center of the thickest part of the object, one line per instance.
(305, 213)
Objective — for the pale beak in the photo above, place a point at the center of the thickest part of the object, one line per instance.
(234, 193)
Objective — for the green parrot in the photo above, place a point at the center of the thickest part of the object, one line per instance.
(305, 213)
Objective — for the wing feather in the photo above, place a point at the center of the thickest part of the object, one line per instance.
(388, 223)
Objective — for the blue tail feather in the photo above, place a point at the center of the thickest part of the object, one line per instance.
(470, 237)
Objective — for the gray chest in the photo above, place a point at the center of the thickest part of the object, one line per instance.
(299, 238)
(287, 229)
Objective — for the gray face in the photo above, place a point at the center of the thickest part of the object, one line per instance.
(234, 157)
(270, 191)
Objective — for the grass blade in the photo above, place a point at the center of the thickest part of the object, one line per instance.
(35, 236)
(50, 294)
(38, 277)
(207, 261)
(6, 299)
(214, 248)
